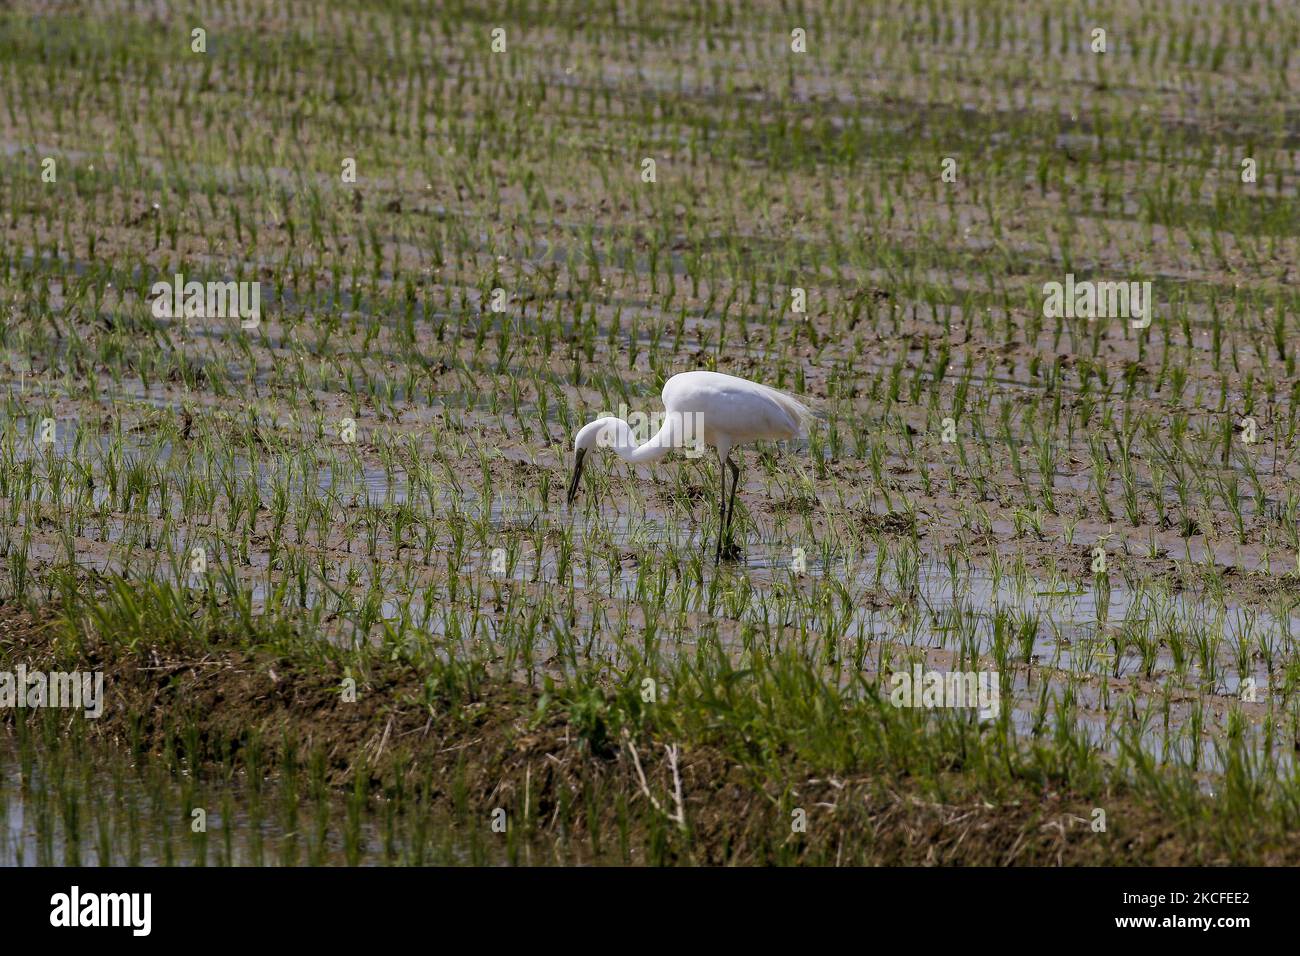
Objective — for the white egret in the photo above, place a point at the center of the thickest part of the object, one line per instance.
(708, 408)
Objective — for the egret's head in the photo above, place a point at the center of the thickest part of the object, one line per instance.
(589, 436)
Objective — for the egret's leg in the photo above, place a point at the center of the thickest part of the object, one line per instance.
(731, 506)
(722, 510)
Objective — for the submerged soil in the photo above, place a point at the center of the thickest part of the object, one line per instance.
(501, 748)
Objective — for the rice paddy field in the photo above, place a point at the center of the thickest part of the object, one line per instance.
(312, 530)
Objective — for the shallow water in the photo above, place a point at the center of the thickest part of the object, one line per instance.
(907, 601)
(98, 808)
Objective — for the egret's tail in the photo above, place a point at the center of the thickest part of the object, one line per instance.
(801, 413)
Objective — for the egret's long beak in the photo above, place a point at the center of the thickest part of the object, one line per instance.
(577, 474)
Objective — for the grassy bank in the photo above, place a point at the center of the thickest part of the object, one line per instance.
(777, 761)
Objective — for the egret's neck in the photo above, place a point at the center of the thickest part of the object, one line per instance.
(623, 441)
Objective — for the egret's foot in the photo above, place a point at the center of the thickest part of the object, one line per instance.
(732, 552)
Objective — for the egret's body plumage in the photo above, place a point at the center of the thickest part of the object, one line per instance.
(735, 411)
(717, 410)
